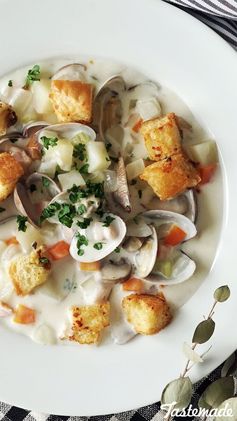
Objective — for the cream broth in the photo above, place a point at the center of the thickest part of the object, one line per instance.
(67, 284)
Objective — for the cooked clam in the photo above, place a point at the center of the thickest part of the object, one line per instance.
(97, 240)
(174, 271)
(121, 194)
(112, 271)
(145, 257)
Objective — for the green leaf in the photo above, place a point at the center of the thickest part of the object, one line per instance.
(180, 391)
(217, 392)
(222, 294)
(230, 366)
(227, 411)
(203, 331)
(21, 222)
(32, 75)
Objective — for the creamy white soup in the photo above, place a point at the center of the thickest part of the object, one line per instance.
(112, 195)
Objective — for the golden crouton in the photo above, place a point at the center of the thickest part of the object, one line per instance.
(171, 176)
(7, 117)
(147, 313)
(28, 272)
(10, 172)
(162, 137)
(88, 322)
(72, 100)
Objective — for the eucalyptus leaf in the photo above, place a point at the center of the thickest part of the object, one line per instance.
(203, 331)
(217, 392)
(179, 391)
(222, 294)
(190, 354)
(230, 366)
(230, 405)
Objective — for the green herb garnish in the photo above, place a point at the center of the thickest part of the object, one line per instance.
(66, 214)
(77, 192)
(10, 84)
(21, 221)
(81, 241)
(49, 211)
(84, 169)
(49, 141)
(85, 223)
(117, 250)
(44, 260)
(33, 75)
(45, 182)
(108, 220)
(81, 209)
(79, 151)
(98, 246)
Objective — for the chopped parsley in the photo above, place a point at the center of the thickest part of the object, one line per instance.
(77, 192)
(45, 182)
(33, 75)
(117, 250)
(81, 209)
(84, 169)
(139, 194)
(33, 188)
(98, 246)
(49, 141)
(108, 220)
(49, 211)
(66, 214)
(44, 260)
(85, 223)
(2, 209)
(81, 241)
(79, 151)
(21, 221)
(10, 84)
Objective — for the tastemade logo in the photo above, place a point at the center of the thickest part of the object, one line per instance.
(226, 411)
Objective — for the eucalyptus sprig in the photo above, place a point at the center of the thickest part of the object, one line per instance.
(180, 390)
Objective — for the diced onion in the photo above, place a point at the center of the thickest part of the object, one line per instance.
(98, 158)
(148, 108)
(110, 181)
(73, 177)
(204, 153)
(135, 168)
(41, 99)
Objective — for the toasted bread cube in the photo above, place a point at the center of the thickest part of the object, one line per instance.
(72, 100)
(162, 137)
(171, 176)
(27, 272)
(7, 117)
(10, 172)
(147, 313)
(88, 322)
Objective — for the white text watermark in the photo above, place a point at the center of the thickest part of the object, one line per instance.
(190, 411)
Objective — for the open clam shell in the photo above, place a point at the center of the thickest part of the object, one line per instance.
(75, 71)
(145, 257)
(183, 268)
(161, 217)
(30, 198)
(100, 241)
(33, 127)
(67, 131)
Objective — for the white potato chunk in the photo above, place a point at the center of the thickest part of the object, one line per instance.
(204, 153)
(135, 168)
(98, 158)
(41, 100)
(61, 154)
(148, 108)
(27, 238)
(69, 179)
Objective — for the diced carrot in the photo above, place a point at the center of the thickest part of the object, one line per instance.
(24, 315)
(90, 266)
(11, 240)
(59, 250)
(133, 284)
(175, 236)
(206, 172)
(137, 125)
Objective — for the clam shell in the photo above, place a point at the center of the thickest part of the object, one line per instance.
(33, 127)
(183, 269)
(67, 130)
(145, 257)
(74, 71)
